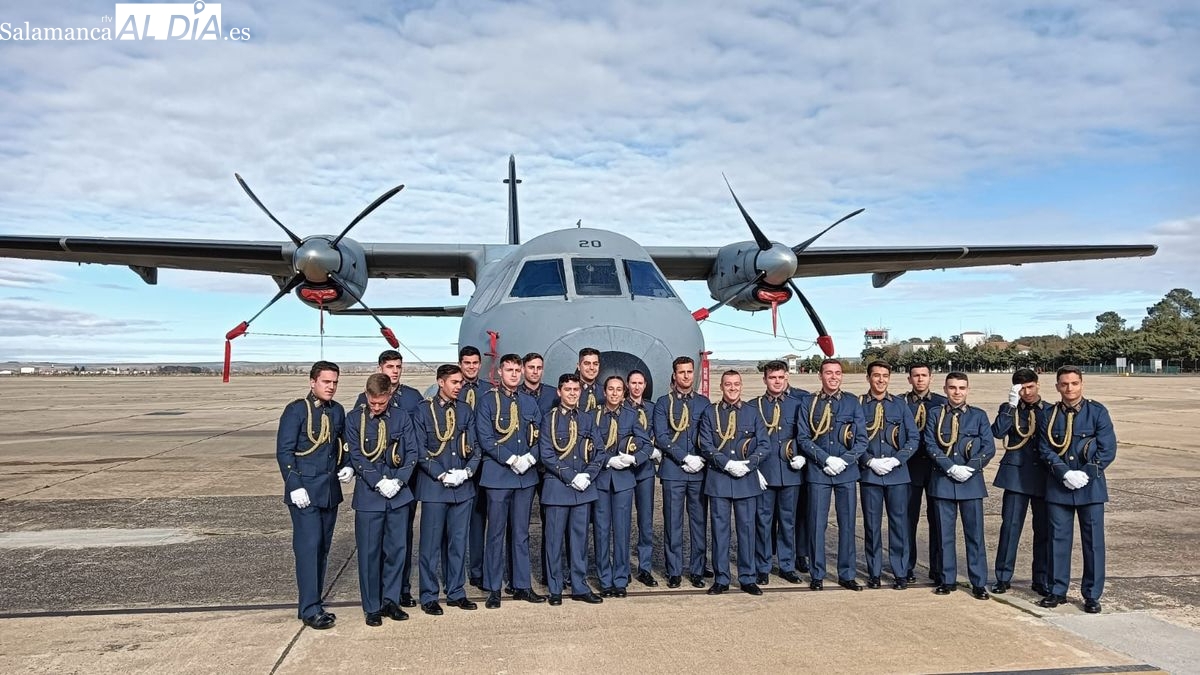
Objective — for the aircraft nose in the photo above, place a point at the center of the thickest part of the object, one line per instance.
(621, 350)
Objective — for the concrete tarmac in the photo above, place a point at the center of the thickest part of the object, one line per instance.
(142, 529)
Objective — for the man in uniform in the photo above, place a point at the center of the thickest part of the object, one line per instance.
(733, 440)
(958, 439)
(1022, 476)
(446, 461)
(891, 440)
(506, 423)
(627, 445)
(782, 466)
(470, 361)
(383, 452)
(921, 400)
(643, 492)
(590, 395)
(573, 454)
(308, 449)
(1078, 444)
(676, 422)
(533, 366)
(832, 434)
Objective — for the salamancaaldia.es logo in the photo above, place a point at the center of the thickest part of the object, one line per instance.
(132, 21)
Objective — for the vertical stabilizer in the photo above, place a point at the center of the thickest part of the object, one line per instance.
(514, 220)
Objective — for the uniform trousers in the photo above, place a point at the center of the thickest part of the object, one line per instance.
(443, 528)
(1012, 521)
(1091, 539)
(745, 510)
(612, 521)
(875, 499)
(971, 512)
(775, 531)
(678, 495)
(508, 512)
(380, 538)
(312, 536)
(844, 498)
(567, 524)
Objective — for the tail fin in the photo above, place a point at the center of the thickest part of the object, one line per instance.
(514, 221)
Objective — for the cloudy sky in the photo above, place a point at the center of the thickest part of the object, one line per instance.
(951, 123)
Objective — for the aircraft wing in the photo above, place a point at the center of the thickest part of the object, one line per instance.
(410, 261)
(887, 263)
(455, 310)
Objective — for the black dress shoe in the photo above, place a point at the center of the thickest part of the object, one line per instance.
(620, 592)
(462, 603)
(493, 600)
(646, 578)
(1091, 606)
(320, 621)
(697, 580)
(900, 584)
(1000, 588)
(374, 619)
(910, 578)
(607, 592)
(406, 600)
(555, 600)
(943, 589)
(979, 593)
(802, 565)
(1051, 601)
(873, 582)
(589, 597)
(790, 577)
(1040, 589)
(510, 590)
(431, 608)
(850, 584)
(816, 585)
(528, 595)
(708, 573)
(752, 589)
(717, 589)
(394, 613)
(674, 582)
(763, 579)
(477, 582)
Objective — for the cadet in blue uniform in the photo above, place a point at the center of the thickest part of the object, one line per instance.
(676, 422)
(1078, 443)
(383, 451)
(782, 466)
(572, 453)
(733, 440)
(803, 551)
(533, 366)
(958, 439)
(391, 363)
(921, 400)
(643, 491)
(506, 424)
(446, 461)
(627, 446)
(473, 389)
(308, 449)
(1022, 476)
(891, 440)
(832, 434)
(590, 394)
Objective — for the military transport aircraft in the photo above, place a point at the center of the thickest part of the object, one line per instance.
(556, 293)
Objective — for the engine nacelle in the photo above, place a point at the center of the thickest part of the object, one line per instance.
(738, 265)
(315, 258)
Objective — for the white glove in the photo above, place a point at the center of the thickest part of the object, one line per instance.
(959, 473)
(834, 465)
(388, 487)
(300, 498)
(629, 460)
(656, 455)
(1075, 479)
(530, 458)
(737, 468)
(879, 466)
(762, 480)
(797, 462)
(892, 462)
(694, 462)
(615, 462)
(512, 462)
(454, 478)
(581, 481)
(346, 474)
(1014, 395)
(519, 464)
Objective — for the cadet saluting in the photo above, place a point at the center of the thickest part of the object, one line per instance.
(1078, 445)
(308, 449)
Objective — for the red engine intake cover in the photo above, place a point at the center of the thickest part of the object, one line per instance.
(320, 295)
(772, 295)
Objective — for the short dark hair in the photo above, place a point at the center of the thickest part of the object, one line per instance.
(919, 364)
(469, 350)
(826, 362)
(731, 371)
(589, 351)
(774, 366)
(1066, 370)
(510, 358)
(531, 356)
(378, 384)
(568, 377)
(389, 355)
(321, 366)
(610, 378)
(447, 369)
(955, 375)
(878, 364)
(1023, 376)
(680, 360)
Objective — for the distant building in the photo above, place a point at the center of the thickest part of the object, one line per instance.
(875, 337)
(28, 370)
(972, 338)
(6, 372)
(793, 362)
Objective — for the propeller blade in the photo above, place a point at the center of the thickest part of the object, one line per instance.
(799, 248)
(759, 237)
(702, 313)
(823, 338)
(240, 329)
(291, 235)
(367, 211)
(383, 330)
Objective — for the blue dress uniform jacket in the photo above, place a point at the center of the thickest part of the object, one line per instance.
(644, 414)
(676, 426)
(919, 468)
(779, 420)
(731, 433)
(612, 516)
(435, 456)
(308, 449)
(473, 390)
(891, 432)
(778, 527)
(586, 455)
(628, 437)
(831, 425)
(643, 493)
(973, 447)
(545, 396)
(1021, 469)
(591, 396)
(506, 426)
(395, 457)
(1091, 448)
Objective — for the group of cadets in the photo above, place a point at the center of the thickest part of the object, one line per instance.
(474, 455)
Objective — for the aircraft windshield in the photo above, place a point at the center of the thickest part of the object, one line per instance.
(540, 278)
(645, 280)
(595, 276)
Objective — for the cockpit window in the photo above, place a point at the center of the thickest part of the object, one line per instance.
(645, 280)
(540, 278)
(595, 276)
